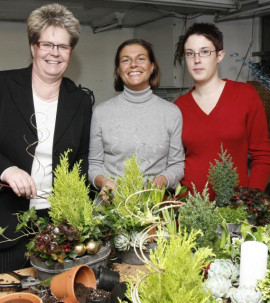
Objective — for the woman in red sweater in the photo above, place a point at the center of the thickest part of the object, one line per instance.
(216, 112)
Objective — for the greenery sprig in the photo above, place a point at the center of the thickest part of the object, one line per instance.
(223, 177)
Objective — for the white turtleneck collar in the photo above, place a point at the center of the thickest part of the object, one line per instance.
(137, 96)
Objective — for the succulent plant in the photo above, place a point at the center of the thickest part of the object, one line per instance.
(135, 239)
(122, 241)
(246, 295)
(225, 268)
(219, 286)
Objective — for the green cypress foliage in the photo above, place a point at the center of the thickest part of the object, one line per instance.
(70, 202)
(223, 178)
(180, 278)
(199, 213)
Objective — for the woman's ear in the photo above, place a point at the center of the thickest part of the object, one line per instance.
(221, 55)
(32, 50)
(152, 67)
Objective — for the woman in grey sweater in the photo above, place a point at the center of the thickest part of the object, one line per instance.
(136, 122)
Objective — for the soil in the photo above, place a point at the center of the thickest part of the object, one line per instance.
(83, 295)
(90, 295)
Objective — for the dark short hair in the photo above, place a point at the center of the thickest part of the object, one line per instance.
(208, 30)
(155, 77)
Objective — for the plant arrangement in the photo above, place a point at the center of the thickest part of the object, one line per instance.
(132, 205)
(217, 274)
(72, 228)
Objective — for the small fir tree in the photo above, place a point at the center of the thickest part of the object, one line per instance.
(223, 177)
(199, 213)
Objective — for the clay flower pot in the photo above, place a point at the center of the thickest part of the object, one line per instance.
(20, 297)
(62, 285)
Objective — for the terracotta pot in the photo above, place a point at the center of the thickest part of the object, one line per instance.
(62, 285)
(20, 297)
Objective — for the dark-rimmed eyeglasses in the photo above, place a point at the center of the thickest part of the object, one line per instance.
(203, 53)
(48, 46)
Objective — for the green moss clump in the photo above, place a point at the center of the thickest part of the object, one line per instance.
(223, 178)
(232, 214)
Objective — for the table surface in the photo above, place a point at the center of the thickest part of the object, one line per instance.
(123, 269)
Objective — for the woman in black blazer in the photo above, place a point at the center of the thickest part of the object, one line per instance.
(42, 114)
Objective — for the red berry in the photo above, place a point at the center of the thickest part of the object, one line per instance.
(255, 210)
(66, 250)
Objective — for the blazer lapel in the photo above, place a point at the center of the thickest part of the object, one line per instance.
(22, 96)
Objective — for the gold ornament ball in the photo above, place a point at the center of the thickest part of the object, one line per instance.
(92, 247)
(80, 249)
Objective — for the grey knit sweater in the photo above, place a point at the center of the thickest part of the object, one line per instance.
(138, 123)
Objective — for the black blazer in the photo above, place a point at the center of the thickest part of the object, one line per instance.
(18, 135)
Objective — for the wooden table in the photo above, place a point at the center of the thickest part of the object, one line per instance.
(123, 269)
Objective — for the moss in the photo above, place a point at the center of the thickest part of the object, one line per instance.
(233, 215)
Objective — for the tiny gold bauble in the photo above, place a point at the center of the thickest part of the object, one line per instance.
(92, 247)
(80, 249)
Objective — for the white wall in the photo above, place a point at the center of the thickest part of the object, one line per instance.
(237, 38)
(91, 63)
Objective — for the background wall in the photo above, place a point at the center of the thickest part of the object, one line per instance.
(92, 61)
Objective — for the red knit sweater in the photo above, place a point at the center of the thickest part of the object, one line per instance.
(238, 121)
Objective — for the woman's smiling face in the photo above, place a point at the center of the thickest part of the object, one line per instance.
(135, 68)
(51, 64)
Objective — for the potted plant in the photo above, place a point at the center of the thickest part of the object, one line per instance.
(130, 209)
(73, 233)
(175, 272)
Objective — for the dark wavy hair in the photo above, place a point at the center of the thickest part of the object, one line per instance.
(155, 77)
(208, 30)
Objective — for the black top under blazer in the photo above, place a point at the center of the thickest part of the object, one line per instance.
(18, 135)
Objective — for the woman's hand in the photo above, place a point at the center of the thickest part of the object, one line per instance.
(20, 181)
(107, 187)
(160, 181)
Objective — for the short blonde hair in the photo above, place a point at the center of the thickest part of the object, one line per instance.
(52, 15)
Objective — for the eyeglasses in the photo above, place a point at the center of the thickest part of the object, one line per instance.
(203, 53)
(48, 46)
